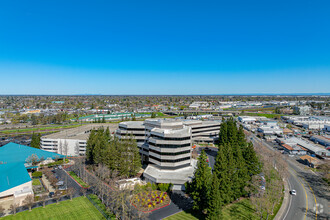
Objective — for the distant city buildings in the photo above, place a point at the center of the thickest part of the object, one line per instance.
(302, 110)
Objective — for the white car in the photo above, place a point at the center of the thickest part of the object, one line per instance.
(293, 192)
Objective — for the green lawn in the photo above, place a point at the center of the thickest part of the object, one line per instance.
(41, 129)
(80, 181)
(185, 215)
(79, 208)
(36, 182)
(241, 210)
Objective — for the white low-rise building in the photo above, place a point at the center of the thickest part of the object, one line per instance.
(72, 142)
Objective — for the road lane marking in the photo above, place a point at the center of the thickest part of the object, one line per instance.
(311, 191)
(304, 191)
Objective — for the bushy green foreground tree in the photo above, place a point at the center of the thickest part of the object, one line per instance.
(121, 156)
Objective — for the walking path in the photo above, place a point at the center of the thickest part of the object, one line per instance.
(47, 184)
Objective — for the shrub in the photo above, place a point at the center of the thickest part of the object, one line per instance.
(154, 186)
(37, 174)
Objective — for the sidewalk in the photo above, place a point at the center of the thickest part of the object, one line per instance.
(280, 214)
(47, 184)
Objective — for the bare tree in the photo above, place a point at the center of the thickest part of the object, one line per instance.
(29, 201)
(76, 149)
(44, 198)
(33, 159)
(65, 148)
(60, 148)
(13, 208)
(57, 196)
(71, 191)
(83, 191)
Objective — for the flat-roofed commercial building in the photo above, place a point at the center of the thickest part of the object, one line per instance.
(203, 131)
(72, 142)
(167, 146)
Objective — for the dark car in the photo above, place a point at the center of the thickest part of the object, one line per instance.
(51, 194)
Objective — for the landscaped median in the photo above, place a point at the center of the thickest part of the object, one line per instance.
(79, 208)
(78, 179)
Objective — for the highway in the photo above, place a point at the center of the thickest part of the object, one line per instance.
(311, 201)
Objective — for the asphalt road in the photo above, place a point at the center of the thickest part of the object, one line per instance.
(311, 201)
(68, 181)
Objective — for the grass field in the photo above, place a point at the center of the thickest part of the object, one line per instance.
(263, 114)
(80, 181)
(36, 182)
(241, 210)
(79, 208)
(39, 129)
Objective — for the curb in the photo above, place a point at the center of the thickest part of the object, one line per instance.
(285, 202)
(76, 181)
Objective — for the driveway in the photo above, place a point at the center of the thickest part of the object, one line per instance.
(68, 181)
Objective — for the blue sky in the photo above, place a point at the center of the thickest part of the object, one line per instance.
(164, 47)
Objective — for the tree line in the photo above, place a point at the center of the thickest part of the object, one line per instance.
(120, 156)
(236, 164)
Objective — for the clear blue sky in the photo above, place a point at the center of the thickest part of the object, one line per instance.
(164, 47)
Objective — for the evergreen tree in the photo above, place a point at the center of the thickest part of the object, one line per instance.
(252, 162)
(201, 184)
(215, 200)
(35, 140)
(241, 137)
(223, 136)
(221, 170)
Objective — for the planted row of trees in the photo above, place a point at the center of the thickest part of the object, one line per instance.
(120, 156)
(236, 164)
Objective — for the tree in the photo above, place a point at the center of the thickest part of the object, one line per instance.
(35, 140)
(70, 192)
(13, 208)
(2, 210)
(220, 169)
(76, 149)
(215, 200)
(252, 162)
(60, 148)
(33, 159)
(29, 201)
(57, 196)
(200, 185)
(65, 148)
(44, 198)
(83, 191)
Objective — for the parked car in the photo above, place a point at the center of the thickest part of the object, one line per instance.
(293, 192)
(60, 167)
(60, 183)
(51, 194)
(61, 188)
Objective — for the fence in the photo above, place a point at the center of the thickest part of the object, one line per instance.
(99, 208)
